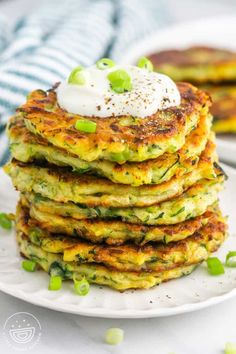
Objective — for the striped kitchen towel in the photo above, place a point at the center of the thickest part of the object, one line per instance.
(44, 46)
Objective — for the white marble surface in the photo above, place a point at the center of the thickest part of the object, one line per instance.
(202, 332)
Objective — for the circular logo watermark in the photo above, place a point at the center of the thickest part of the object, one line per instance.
(22, 331)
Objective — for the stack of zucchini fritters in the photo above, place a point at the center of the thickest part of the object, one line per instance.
(214, 70)
(129, 206)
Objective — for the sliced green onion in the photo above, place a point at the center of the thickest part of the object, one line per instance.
(120, 156)
(114, 336)
(86, 126)
(231, 259)
(120, 81)
(215, 267)
(81, 287)
(145, 63)
(117, 157)
(29, 266)
(230, 348)
(55, 282)
(77, 76)
(35, 235)
(105, 63)
(5, 221)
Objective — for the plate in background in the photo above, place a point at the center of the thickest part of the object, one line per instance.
(217, 31)
(190, 293)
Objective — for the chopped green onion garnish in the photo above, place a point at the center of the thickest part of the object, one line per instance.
(105, 63)
(120, 81)
(5, 221)
(29, 266)
(77, 76)
(86, 126)
(231, 259)
(55, 282)
(230, 348)
(114, 336)
(81, 287)
(215, 267)
(117, 157)
(145, 63)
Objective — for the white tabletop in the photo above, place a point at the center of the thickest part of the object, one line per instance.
(202, 332)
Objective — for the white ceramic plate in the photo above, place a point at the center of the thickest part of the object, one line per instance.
(190, 293)
(219, 32)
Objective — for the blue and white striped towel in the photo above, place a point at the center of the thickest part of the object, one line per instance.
(44, 47)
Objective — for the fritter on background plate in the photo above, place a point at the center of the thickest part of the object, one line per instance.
(196, 64)
(223, 108)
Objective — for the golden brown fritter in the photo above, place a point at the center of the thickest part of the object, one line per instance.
(196, 64)
(28, 147)
(114, 232)
(117, 139)
(194, 202)
(223, 108)
(65, 186)
(128, 257)
(96, 273)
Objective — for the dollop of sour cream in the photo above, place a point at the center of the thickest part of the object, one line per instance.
(150, 92)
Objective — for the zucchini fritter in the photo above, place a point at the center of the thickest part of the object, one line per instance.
(192, 203)
(152, 257)
(197, 64)
(223, 108)
(113, 232)
(65, 186)
(96, 273)
(118, 139)
(28, 147)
